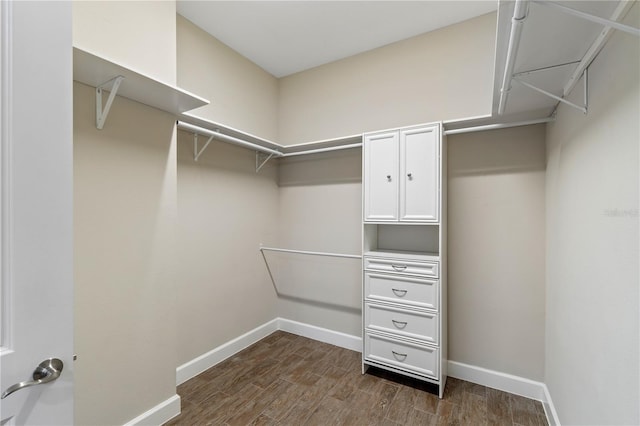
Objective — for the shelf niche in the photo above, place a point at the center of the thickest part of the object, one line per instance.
(418, 239)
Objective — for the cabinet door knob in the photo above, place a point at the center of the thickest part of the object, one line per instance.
(389, 178)
(409, 176)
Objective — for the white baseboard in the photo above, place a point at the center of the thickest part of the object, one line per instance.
(550, 409)
(325, 335)
(197, 365)
(507, 383)
(497, 380)
(159, 414)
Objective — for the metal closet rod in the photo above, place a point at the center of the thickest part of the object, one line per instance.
(520, 12)
(314, 253)
(236, 141)
(202, 131)
(317, 150)
(497, 126)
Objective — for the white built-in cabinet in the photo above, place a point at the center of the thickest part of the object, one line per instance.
(404, 253)
(402, 177)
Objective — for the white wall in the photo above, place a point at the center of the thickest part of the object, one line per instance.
(592, 323)
(242, 94)
(225, 211)
(496, 250)
(418, 80)
(138, 34)
(124, 221)
(320, 210)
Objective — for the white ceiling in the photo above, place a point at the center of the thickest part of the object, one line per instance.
(285, 37)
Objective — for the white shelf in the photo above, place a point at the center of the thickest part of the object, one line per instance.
(229, 131)
(403, 254)
(247, 139)
(94, 71)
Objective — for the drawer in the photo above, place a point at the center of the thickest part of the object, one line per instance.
(412, 291)
(411, 267)
(408, 356)
(408, 323)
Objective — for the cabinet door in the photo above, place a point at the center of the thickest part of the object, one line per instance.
(381, 177)
(419, 174)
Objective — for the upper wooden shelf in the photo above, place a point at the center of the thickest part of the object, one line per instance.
(94, 70)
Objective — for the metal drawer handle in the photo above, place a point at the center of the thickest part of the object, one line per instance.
(399, 267)
(46, 372)
(399, 292)
(398, 354)
(399, 324)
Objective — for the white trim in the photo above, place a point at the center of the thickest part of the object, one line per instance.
(471, 373)
(197, 365)
(325, 335)
(549, 408)
(497, 380)
(508, 383)
(159, 414)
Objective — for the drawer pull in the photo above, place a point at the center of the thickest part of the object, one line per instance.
(399, 324)
(399, 267)
(399, 292)
(398, 355)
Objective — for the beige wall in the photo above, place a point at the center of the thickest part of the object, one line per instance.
(124, 220)
(139, 34)
(242, 95)
(496, 250)
(441, 75)
(226, 210)
(592, 333)
(320, 210)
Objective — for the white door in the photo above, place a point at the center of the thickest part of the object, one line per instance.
(419, 171)
(380, 153)
(36, 210)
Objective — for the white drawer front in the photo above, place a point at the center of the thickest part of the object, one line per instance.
(418, 292)
(416, 358)
(427, 269)
(417, 325)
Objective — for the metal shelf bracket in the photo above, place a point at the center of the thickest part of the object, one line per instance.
(197, 153)
(103, 112)
(261, 159)
(583, 108)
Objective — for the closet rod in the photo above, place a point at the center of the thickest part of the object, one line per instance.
(315, 151)
(520, 13)
(227, 138)
(497, 126)
(316, 253)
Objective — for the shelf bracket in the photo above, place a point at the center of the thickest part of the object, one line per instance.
(582, 108)
(592, 18)
(260, 161)
(197, 153)
(103, 112)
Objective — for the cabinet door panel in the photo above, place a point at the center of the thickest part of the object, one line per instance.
(419, 171)
(381, 177)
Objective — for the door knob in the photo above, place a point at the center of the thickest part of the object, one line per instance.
(46, 372)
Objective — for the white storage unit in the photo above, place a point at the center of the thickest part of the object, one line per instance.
(402, 175)
(404, 253)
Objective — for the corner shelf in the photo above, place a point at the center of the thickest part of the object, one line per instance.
(95, 71)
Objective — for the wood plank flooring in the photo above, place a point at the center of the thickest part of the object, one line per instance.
(290, 380)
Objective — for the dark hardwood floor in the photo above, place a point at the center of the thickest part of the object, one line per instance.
(290, 380)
